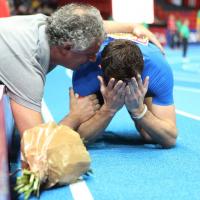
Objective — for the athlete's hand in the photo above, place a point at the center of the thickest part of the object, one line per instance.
(135, 93)
(83, 108)
(113, 94)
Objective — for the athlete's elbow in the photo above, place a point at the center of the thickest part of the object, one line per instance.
(169, 144)
(171, 141)
(88, 137)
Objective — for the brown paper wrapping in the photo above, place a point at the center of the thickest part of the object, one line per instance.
(55, 152)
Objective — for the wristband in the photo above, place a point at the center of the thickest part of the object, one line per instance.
(141, 115)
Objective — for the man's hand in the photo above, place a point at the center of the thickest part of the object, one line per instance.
(83, 107)
(135, 93)
(137, 29)
(140, 31)
(113, 94)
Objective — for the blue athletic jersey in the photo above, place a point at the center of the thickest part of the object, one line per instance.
(161, 82)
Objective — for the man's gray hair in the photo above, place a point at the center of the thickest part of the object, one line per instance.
(78, 24)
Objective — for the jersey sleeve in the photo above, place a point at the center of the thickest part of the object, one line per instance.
(84, 80)
(161, 80)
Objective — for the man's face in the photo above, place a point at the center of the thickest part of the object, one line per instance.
(76, 58)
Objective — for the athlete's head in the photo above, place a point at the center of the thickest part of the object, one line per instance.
(122, 60)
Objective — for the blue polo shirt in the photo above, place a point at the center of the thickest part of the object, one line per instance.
(161, 82)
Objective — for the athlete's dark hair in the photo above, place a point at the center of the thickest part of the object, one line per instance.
(122, 60)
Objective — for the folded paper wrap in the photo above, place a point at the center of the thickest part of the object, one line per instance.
(55, 153)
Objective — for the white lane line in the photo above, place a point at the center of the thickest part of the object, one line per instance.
(79, 189)
(69, 73)
(47, 116)
(186, 79)
(188, 89)
(185, 114)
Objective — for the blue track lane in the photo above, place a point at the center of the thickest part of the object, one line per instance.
(125, 168)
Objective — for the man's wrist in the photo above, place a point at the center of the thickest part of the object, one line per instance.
(140, 115)
(72, 121)
(108, 111)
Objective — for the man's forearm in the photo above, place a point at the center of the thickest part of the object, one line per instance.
(157, 130)
(71, 121)
(92, 128)
(116, 27)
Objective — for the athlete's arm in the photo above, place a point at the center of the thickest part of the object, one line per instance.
(158, 124)
(113, 96)
(137, 29)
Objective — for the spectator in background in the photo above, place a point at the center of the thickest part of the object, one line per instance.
(178, 32)
(28, 7)
(171, 27)
(185, 33)
(198, 25)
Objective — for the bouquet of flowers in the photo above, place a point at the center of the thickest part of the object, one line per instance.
(51, 155)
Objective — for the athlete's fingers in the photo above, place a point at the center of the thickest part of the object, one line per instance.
(128, 90)
(146, 83)
(123, 92)
(100, 78)
(118, 85)
(139, 81)
(111, 84)
(121, 89)
(102, 84)
(133, 86)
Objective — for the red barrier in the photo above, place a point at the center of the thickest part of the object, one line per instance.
(4, 177)
(4, 9)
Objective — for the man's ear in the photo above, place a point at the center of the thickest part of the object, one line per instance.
(67, 46)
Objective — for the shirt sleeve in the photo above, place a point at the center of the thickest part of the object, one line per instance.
(84, 80)
(24, 81)
(161, 81)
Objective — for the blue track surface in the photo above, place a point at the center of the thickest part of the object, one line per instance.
(126, 169)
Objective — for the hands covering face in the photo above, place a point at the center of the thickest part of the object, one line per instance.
(113, 94)
(117, 94)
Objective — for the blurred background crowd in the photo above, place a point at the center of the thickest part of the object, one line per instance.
(176, 22)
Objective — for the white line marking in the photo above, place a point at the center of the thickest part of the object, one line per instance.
(185, 114)
(188, 89)
(79, 189)
(69, 73)
(46, 113)
(186, 79)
